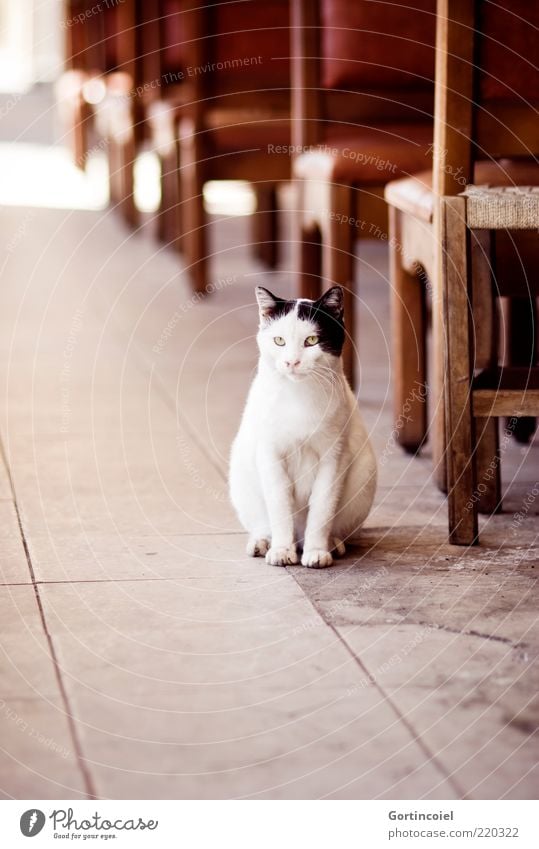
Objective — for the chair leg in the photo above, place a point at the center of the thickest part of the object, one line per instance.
(179, 219)
(485, 355)
(161, 218)
(114, 172)
(520, 350)
(408, 334)
(459, 420)
(338, 265)
(168, 219)
(127, 155)
(438, 428)
(80, 133)
(310, 263)
(306, 245)
(487, 462)
(121, 157)
(265, 225)
(194, 237)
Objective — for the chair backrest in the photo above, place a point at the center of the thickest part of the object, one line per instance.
(487, 86)
(361, 61)
(84, 44)
(121, 37)
(132, 47)
(99, 38)
(162, 43)
(171, 33)
(234, 51)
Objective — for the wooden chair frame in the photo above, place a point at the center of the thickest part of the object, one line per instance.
(195, 123)
(84, 62)
(126, 100)
(415, 238)
(324, 244)
(477, 392)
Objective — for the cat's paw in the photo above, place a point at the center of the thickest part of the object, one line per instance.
(282, 556)
(316, 558)
(257, 546)
(339, 547)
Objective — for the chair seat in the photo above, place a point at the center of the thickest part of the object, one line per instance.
(114, 111)
(249, 132)
(368, 155)
(162, 117)
(502, 207)
(225, 129)
(245, 132)
(71, 87)
(70, 84)
(414, 195)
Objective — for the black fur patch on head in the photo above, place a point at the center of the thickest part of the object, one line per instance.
(271, 306)
(326, 314)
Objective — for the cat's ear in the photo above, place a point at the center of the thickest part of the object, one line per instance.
(332, 301)
(266, 302)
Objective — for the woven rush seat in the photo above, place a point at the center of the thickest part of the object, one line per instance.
(415, 195)
(502, 207)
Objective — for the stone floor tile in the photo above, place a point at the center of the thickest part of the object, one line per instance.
(468, 697)
(26, 667)
(37, 757)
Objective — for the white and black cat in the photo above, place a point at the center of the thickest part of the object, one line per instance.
(302, 470)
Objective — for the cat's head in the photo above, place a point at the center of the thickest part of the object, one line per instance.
(299, 337)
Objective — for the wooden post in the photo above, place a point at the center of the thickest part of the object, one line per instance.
(484, 355)
(452, 148)
(462, 495)
(408, 330)
(265, 224)
(338, 268)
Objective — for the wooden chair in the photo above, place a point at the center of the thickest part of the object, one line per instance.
(236, 118)
(167, 50)
(177, 89)
(362, 81)
(129, 86)
(107, 87)
(415, 225)
(220, 123)
(488, 95)
(85, 63)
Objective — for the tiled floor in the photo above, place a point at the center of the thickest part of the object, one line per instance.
(142, 654)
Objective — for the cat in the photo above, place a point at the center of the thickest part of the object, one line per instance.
(302, 469)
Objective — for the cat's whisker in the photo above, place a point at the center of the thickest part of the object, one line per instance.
(323, 382)
(327, 376)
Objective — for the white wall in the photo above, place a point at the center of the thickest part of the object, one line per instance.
(31, 42)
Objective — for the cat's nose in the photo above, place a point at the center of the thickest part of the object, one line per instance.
(292, 363)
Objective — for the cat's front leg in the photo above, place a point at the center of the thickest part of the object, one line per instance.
(322, 506)
(277, 490)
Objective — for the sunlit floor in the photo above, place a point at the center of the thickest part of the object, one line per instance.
(143, 655)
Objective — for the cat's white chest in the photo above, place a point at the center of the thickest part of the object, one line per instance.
(300, 415)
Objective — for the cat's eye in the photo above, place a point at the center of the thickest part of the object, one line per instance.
(279, 341)
(310, 341)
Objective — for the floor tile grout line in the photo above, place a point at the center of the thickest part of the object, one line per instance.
(164, 535)
(90, 791)
(72, 581)
(407, 724)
